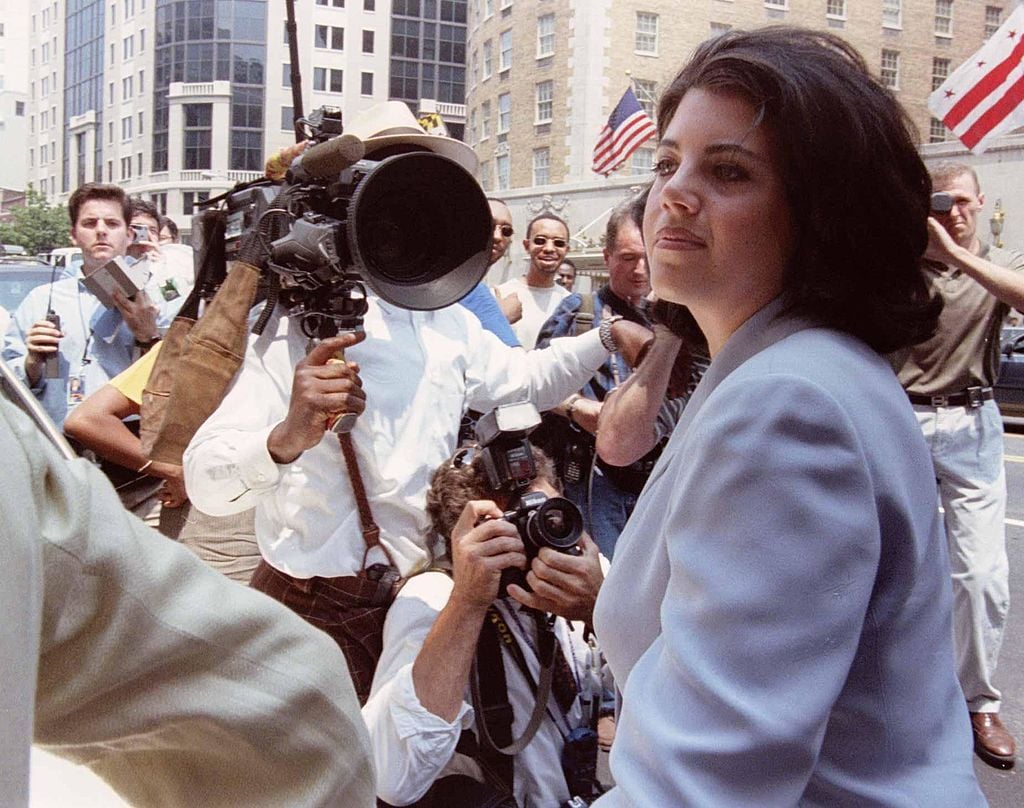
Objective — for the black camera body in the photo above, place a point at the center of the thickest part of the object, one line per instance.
(507, 457)
(942, 202)
(413, 227)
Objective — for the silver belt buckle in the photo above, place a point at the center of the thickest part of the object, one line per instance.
(940, 401)
(975, 397)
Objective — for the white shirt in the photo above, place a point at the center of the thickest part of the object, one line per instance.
(420, 371)
(539, 303)
(412, 747)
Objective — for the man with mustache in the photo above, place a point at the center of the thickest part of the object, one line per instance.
(949, 381)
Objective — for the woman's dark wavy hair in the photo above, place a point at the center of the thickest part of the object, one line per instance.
(857, 189)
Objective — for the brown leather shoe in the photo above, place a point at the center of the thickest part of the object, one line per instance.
(993, 742)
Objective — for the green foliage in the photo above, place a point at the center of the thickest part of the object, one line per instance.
(38, 226)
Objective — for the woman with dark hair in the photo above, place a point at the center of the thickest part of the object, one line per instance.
(778, 613)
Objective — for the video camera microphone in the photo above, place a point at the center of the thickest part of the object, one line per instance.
(326, 160)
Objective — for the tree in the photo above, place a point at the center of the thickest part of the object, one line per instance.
(38, 226)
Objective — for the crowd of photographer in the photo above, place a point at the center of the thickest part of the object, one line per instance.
(362, 450)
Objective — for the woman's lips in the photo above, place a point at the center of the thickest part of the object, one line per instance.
(678, 238)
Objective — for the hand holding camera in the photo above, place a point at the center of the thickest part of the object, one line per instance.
(42, 342)
(483, 546)
(562, 583)
(321, 390)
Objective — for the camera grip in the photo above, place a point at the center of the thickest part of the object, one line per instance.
(53, 360)
(342, 422)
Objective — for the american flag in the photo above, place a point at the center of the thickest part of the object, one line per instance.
(984, 96)
(627, 128)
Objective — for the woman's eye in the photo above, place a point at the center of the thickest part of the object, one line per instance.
(730, 172)
(664, 167)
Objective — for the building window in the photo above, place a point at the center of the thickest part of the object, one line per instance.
(198, 136)
(473, 124)
(369, 5)
(126, 88)
(647, 94)
(336, 81)
(943, 17)
(332, 37)
(641, 162)
(286, 75)
(545, 35)
(287, 119)
(320, 79)
(142, 40)
(160, 200)
(142, 82)
(140, 127)
(366, 83)
(485, 120)
(646, 37)
(937, 132)
(320, 35)
(126, 168)
(126, 128)
(541, 166)
(367, 41)
(501, 164)
(488, 59)
(777, 4)
(128, 47)
(993, 19)
(485, 174)
(892, 13)
(836, 9)
(335, 3)
(19, 109)
(505, 43)
(940, 72)
(545, 104)
(189, 200)
(504, 113)
(337, 38)
(488, 8)
(891, 69)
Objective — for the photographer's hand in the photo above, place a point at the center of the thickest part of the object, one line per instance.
(562, 584)
(321, 390)
(481, 548)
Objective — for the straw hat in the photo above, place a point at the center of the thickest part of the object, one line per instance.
(391, 123)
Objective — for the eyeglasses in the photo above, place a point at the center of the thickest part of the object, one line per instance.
(560, 243)
(506, 230)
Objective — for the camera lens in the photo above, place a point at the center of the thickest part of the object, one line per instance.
(556, 523)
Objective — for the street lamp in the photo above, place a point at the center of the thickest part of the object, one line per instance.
(996, 222)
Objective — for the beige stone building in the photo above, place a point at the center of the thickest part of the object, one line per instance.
(543, 76)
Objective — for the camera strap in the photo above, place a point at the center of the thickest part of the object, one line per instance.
(542, 689)
(371, 532)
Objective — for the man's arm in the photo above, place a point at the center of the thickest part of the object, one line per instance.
(1005, 284)
(626, 428)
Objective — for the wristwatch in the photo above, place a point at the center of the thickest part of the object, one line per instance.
(570, 405)
(605, 332)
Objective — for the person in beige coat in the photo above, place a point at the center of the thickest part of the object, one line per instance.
(122, 651)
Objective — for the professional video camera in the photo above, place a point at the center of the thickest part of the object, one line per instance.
(507, 457)
(412, 225)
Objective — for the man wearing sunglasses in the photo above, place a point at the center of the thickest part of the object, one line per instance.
(546, 242)
(496, 315)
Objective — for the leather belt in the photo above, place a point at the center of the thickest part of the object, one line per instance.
(972, 398)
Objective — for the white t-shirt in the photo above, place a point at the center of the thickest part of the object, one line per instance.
(539, 303)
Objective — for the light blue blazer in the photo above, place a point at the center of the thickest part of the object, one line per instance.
(778, 615)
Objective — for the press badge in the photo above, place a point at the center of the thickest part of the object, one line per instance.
(169, 290)
(76, 390)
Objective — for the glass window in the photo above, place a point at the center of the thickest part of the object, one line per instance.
(126, 128)
(646, 37)
(504, 112)
(545, 95)
(892, 13)
(190, 199)
(993, 19)
(545, 35)
(647, 94)
(198, 136)
(836, 8)
(488, 59)
(501, 164)
(337, 83)
(366, 83)
(369, 5)
(641, 162)
(940, 72)
(320, 78)
(286, 75)
(937, 131)
(506, 50)
(944, 17)
(320, 36)
(541, 166)
(485, 120)
(287, 119)
(367, 41)
(337, 38)
(890, 73)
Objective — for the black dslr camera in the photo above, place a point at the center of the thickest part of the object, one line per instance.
(942, 202)
(507, 457)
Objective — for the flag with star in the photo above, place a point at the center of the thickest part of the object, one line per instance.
(984, 97)
(627, 129)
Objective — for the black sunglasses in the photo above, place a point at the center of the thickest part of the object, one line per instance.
(559, 243)
(506, 230)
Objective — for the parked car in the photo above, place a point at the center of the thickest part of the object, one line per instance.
(17, 279)
(1009, 387)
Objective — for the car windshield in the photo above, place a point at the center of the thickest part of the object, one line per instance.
(17, 282)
